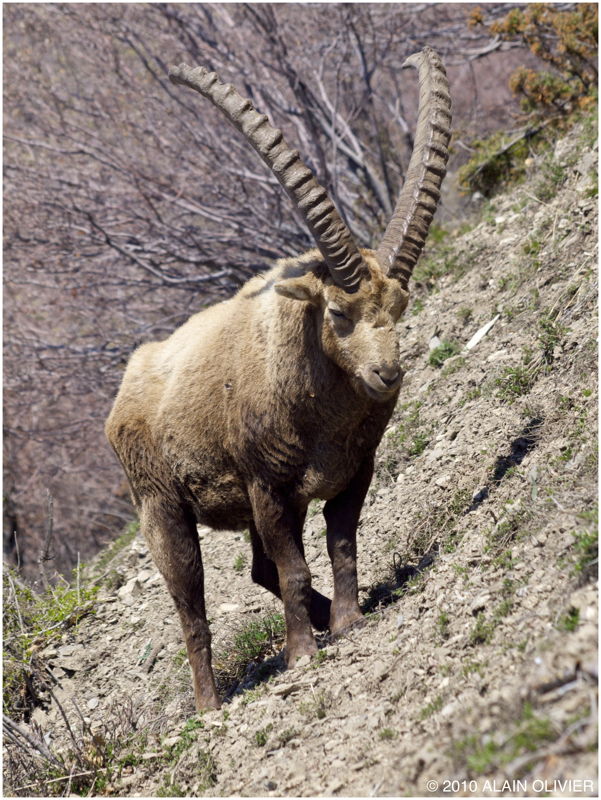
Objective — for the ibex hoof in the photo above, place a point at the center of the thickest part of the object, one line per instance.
(344, 623)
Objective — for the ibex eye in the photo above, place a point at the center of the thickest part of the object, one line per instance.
(336, 312)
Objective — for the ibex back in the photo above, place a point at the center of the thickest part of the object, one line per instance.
(279, 395)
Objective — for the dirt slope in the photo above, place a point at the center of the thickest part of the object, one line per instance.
(477, 661)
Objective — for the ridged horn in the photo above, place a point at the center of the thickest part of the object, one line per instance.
(331, 235)
(406, 233)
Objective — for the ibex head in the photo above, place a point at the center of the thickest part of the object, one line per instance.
(360, 294)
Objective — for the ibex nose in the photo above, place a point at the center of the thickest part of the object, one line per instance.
(389, 374)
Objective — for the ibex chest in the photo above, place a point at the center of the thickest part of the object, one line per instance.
(312, 454)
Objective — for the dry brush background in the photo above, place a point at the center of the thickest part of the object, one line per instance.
(130, 204)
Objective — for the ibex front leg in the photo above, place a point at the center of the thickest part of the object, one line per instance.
(342, 516)
(279, 526)
(265, 573)
(173, 542)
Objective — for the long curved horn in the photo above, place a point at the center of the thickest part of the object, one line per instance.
(406, 233)
(331, 235)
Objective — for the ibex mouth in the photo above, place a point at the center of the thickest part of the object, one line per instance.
(380, 383)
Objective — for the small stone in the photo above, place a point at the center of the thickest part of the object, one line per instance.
(479, 604)
(170, 741)
(284, 689)
(380, 670)
(68, 649)
(130, 592)
(443, 481)
(93, 703)
(303, 661)
(71, 663)
(228, 607)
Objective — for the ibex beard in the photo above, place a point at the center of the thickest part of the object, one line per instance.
(280, 395)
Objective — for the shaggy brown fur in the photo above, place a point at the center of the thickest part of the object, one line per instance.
(245, 414)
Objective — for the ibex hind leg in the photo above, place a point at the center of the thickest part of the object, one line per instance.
(265, 573)
(173, 542)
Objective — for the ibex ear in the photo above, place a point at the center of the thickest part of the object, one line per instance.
(306, 288)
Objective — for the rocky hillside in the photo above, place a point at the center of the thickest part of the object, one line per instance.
(474, 672)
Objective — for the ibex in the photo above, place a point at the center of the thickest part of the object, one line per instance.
(281, 394)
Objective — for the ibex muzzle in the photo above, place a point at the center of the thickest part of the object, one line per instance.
(280, 395)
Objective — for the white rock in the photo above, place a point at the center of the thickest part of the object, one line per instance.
(130, 592)
(229, 607)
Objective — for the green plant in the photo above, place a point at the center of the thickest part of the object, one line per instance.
(120, 543)
(569, 621)
(442, 624)
(452, 367)
(567, 41)
(287, 736)
(465, 314)
(261, 735)
(471, 667)
(549, 336)
(387, 734)
(251, 643)
(417, 306)
(482, 631)
(482, 756)
(586, 550)
(319, 658)
(239, 562)
(30, 622)
(187, 737)
(316, 707)
(315, 506)
(513, 382)
(445, 350)
(168, 789)
(408, 440)
(419, 444)
(431, 708)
